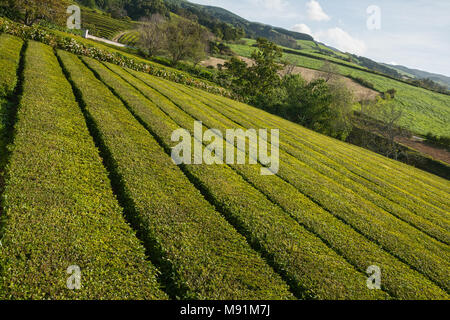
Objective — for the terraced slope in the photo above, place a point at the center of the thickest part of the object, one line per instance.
(58, 204)
(104, 26)
(299, 206)
(213, 231)
(202, 255)
(262, 222)
(404, 240)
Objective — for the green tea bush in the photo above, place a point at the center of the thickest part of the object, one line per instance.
(294, 252)
(402, 239)
(59, 207)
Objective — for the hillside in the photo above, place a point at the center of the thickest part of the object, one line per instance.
(424, 111)
(90, 182)
(419, 74)
(252, 29)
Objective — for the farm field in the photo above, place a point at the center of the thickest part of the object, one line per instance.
(90, 182)
(424, 111)
(129, 38)
(103, 26)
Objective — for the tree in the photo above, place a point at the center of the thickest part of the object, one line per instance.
(264, 72)
(382, 117)
(186, 40)
(339, 123)
(30, 12)
(257, 83)
(152, 34)
(321, 106)
(329, 71)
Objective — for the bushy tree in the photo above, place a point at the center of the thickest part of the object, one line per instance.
(153, 34)
(257, 83)
(382, 116)
(30, 12)
(186, 40)
(318, 105)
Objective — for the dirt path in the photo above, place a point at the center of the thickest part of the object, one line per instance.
(432, 151)
(360, 92)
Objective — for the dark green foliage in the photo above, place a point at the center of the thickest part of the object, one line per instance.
(144, 8)
(30, 12)
(186, 40)
(322, 105)
(442, 141)
(256, 83)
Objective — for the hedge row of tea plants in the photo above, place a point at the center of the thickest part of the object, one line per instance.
(10, 48)
(400, 280)
(419, 250)
(427, 218)
(312, 268)
(200, 254)
(379, 170)
(58, 203)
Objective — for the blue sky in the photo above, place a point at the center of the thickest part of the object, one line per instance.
(413, 33)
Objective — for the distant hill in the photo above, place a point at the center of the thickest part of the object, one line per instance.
(419, 74)
(280, 36)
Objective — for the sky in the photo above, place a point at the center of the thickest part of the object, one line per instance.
(413, 33)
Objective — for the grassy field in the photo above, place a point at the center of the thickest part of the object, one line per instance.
(424, 111)
(91, 179)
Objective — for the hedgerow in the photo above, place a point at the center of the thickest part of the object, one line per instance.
(425, 218)
(294, 252)
(10, 48)
(200, 254)
(9, 62)
(401, 239)
(59, 206)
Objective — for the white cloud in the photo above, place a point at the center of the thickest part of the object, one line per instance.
(315, 11)
(340, 39)
(302, 28)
